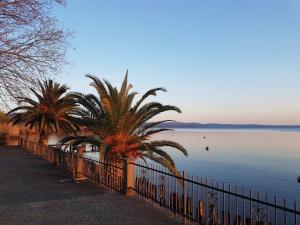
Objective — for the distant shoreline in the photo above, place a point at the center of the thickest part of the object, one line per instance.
(180, 125)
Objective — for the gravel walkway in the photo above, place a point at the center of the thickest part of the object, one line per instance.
(31, 194)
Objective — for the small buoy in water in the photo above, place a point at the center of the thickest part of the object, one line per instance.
(207, 148)
(298, 179)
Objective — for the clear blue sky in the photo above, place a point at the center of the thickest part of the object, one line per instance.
(221, 61)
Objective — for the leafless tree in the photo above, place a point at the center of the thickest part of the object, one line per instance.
(32, 45)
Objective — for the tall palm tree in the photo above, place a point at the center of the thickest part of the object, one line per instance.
(120, 127)
(51, 110)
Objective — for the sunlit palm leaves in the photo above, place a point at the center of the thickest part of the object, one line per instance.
(51, 110)
(123, 126)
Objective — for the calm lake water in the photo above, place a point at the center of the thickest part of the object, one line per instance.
(263, 160)
(267, 161)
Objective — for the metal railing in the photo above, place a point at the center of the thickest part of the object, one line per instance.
(109, 174)
(45, 151)
(193, 199)
(202, 202)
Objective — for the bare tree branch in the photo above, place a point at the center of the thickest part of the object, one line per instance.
(32, 46)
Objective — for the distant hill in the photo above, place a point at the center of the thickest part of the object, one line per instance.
(225, 126)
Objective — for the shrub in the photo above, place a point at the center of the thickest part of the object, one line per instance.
(3, 138)
(3, 118)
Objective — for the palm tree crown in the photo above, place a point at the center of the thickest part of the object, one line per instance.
(51, 111)
(122, 127)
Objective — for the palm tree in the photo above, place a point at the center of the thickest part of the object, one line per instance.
(51, 111)
(120, 127)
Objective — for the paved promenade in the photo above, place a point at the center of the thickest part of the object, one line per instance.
(31, 194)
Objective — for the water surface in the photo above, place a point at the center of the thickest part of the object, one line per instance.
(264, 160)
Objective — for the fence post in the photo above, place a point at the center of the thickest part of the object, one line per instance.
(56, 155)
(128, 168)
(184, 197)
(40, 150)
(21, 143)
(43, 150)
(79, 163)
(35, 148)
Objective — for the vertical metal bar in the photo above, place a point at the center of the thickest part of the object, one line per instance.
(158, 182)
(161, 187)
(155, 176)
(148, 176)
(176, 196)
(285, 213)
(197, 202)
(244, 214)
(236, 205)
(295, 209)
(250, 209)
(202, 198)
(192, 200)
(230, 216)
(169, 193)
(137, 179)
(145, 179)
(179, 200)
(218, 217)
(258, 209)
(149, 179)
(184, 196)
(115, 173)
(189, 200)
(206, 203)
(224, 205)
(275, 202)
(267, 209)
(109, 175)
(174, 188)
(122, 177)
(214, 206)
(142, 179)
(188, 196)
(202, 192)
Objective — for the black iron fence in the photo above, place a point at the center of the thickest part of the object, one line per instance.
(45, 151)
(213, 203)
(109, 174)
(193, 199)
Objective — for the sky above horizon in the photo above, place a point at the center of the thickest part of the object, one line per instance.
(221, 61)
